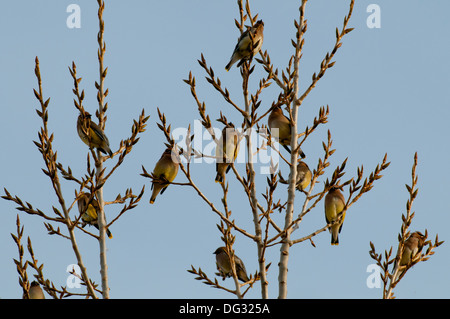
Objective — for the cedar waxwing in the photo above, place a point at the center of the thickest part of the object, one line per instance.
(91, 134)
(413, 246)
(224, 265)
(227, 150)
(89, 211)
(334, 205)
(35, 291)
(280, 129)
(303, 176)
(246, 48)
(165, 171)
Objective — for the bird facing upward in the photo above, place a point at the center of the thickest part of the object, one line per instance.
(413, 246)
(280, 129)
(411, 249)
(303, 176)
(249, 43)
(91, 134)
(334, 205)
(165, 171)
(227, 150)
(224, 265)
(89, 212)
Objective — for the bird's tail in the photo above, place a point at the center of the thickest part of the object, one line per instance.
(300, 152)
(219, 178)
(242, 276)
(233, 60)
(106, 150)
(108, 233)
(228, 66)
(156, 189)
(334, 241)
(334, 236)
(220, 169)
(286, 148)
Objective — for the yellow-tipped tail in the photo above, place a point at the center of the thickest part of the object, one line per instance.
(156, 189)
(228, 66)
(334, 242)
(219, 179)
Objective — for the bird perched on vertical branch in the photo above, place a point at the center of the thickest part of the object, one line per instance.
(35, 291)
(413, 246)
(280, 129)
(91, 134)
(89, 212)
(165, 171)
(224, 265)
(411, 249)
(303, 176)
(334, 205)
(303, 179)
(249, 43)
(227, 150)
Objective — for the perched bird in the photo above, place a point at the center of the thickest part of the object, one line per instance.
(91, 134)
(165, 171)
(226, 151)
(248, 45)
(334, 205)
(35, 291)
(89, 212)
(280, 129)
(304, 176)
(224, 265)
(413, 246)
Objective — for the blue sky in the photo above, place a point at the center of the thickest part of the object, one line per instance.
(386, 93)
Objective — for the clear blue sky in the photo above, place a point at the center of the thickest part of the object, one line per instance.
(387, 94)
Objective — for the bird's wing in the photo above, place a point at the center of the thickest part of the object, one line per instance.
(91, 212)
(239, 263)
(95, 129)
(243, 42)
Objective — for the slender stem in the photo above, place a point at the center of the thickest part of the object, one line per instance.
(388, 294)
(99, 162)
(253, 200)
(284, 249)
(252, 186)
